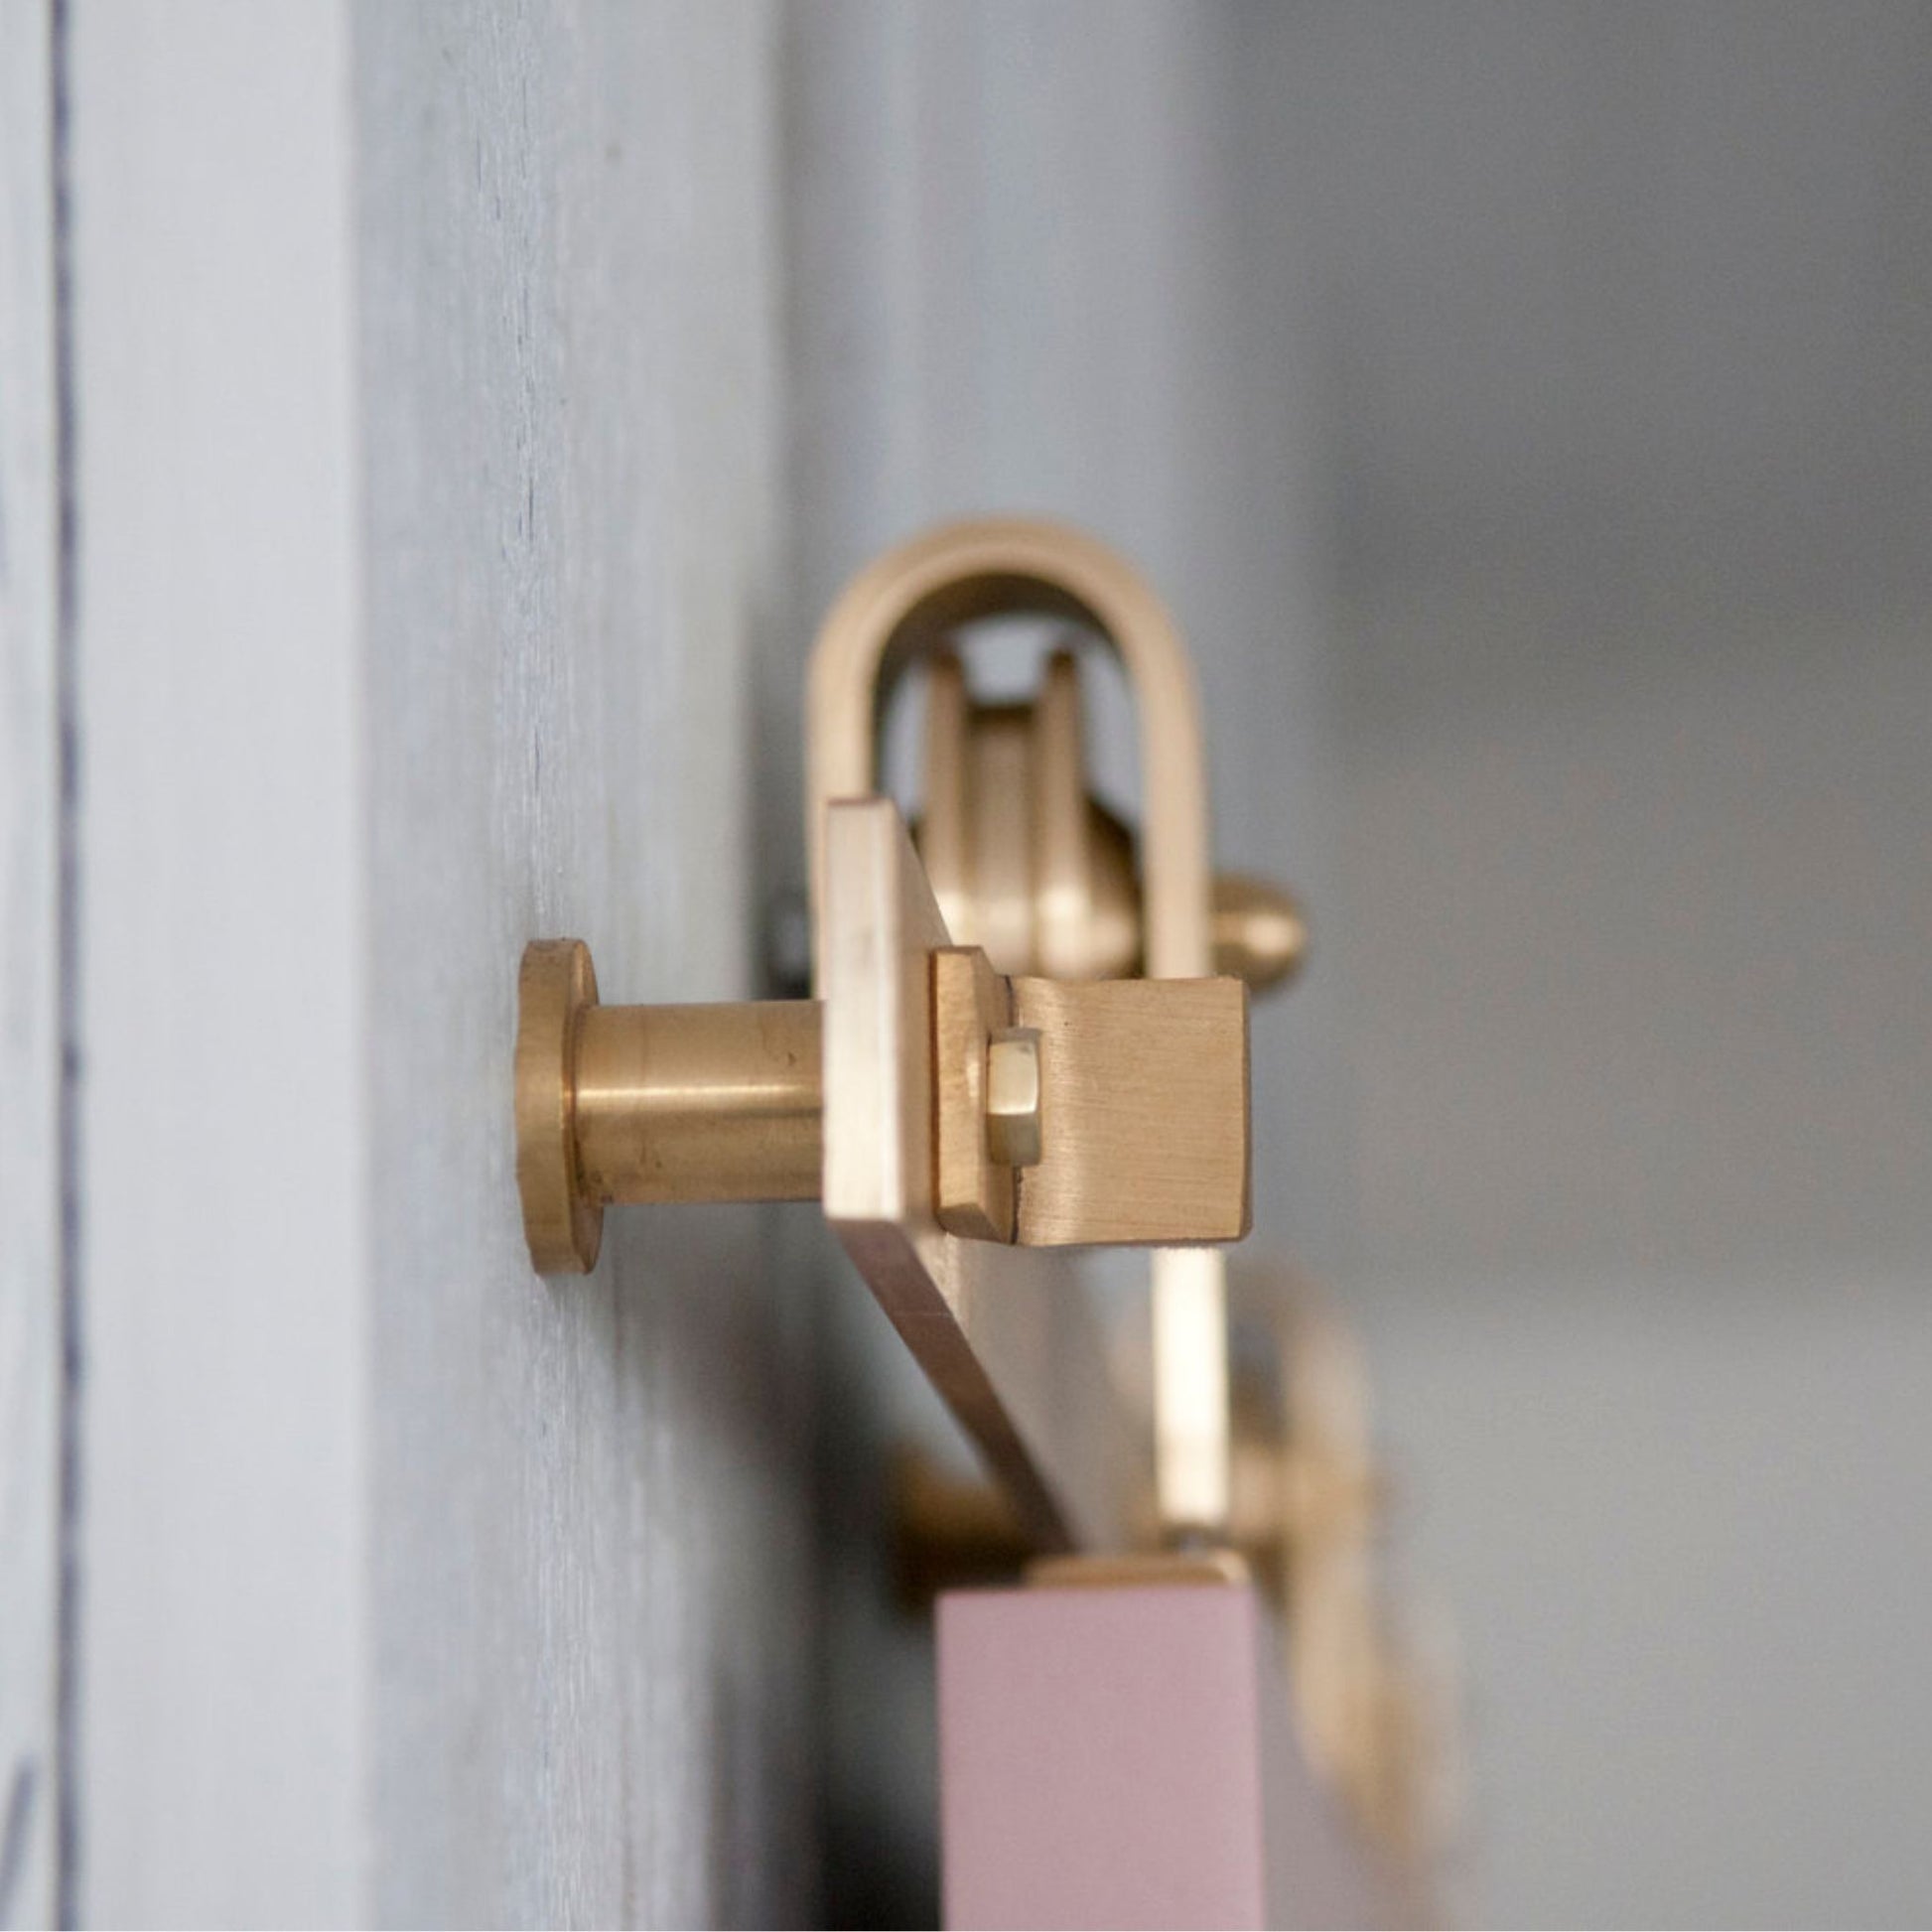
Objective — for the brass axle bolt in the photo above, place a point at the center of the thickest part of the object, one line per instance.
(1013, 1097)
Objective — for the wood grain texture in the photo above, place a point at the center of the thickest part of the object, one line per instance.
(593, 1587)
(29, 1004)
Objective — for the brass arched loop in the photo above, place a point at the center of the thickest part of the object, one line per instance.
(915, 595)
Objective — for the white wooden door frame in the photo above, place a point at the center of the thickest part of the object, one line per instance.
(423, 365)
(224, 965)
(32, 1113)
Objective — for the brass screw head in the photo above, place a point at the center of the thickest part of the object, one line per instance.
(1013, 1096)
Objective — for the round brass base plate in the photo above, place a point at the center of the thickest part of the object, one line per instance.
(555, 986)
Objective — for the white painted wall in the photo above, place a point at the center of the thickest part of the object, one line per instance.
(1625, 327)
(1642, 984)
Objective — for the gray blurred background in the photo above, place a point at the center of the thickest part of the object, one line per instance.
(1528, 410)
(1625, 345)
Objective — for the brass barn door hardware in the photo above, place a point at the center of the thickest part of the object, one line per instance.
(1018, 1046)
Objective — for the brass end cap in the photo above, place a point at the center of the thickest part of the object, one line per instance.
(1261, 934)
(556, 984)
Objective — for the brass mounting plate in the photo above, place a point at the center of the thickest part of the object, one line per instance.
(1007, 1335)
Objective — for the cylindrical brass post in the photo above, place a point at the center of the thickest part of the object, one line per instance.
(715, 1103)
